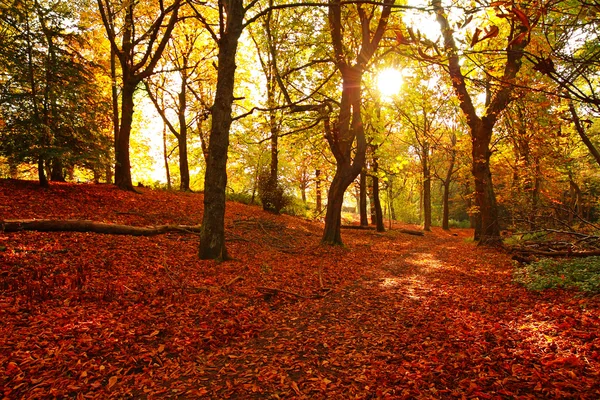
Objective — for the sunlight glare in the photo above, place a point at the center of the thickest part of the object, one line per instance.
(389, 82)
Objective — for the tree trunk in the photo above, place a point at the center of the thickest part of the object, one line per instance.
(348, 128)
(42, 173)
(123, 164)
(364, 220)
(446, 184)
(57, 173)
(426, 187)
(166, 156)
(445, 205)
(335, 200)
(115, 98)
(319, 205)
(377, 201)
(488, 229)
(212, 237)
(184, 169)
(372, 212)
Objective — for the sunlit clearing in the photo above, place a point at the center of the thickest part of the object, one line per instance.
(389, 82)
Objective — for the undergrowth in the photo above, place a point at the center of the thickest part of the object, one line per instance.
(581, 273)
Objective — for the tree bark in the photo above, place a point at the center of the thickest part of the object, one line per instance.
(485, 198)
(184, 169)
(74, 225)
(42, 173)
(426, 186)
(376, 198)
(364, 218)
(318, 199)
(212, 237)
(123, 164)
(166, 156)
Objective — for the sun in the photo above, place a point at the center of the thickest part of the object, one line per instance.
(389, 82)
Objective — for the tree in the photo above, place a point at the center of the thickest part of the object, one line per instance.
(212, 236)
(487, 230)
(51, 103)
(143, 35)
(175, 90)
(348, 127)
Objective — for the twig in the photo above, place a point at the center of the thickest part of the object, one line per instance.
(131, 290)
(320, 277)
(234, 280)
(271, 290)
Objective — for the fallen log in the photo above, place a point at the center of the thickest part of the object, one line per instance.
(546, 253)
(410, 232)
(368, 228)
(77, 225)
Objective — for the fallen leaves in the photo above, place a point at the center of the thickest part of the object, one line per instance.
(405, 317)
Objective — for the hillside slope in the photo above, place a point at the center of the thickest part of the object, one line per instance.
(388, 316)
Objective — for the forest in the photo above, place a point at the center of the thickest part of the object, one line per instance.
(279, 199)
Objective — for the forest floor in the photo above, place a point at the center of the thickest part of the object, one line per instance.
(388, 316)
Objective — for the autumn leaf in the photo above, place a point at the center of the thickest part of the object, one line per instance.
(401, 39)
(475, 38)
(111, 382)
(521, 17)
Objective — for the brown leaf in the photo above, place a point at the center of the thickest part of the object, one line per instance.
(521, 17)
(111, 382)
(475, 37)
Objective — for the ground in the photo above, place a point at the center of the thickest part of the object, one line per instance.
(388, 316)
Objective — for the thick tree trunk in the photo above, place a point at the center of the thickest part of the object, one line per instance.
(364, 219)
(348, 128)
(488, 229)
(212, 237)
(57, 173)
(335, 200)
(123, 164)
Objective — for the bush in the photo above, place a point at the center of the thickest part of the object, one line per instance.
(271, 193)
(296, 207)
(242, 197)
(452, 223)
(581, 273)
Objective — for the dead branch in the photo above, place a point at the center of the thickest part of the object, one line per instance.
(273, 291)
(234, 280)
(561, 253)
(371, 228)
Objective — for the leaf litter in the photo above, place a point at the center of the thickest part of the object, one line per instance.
(100, 316)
